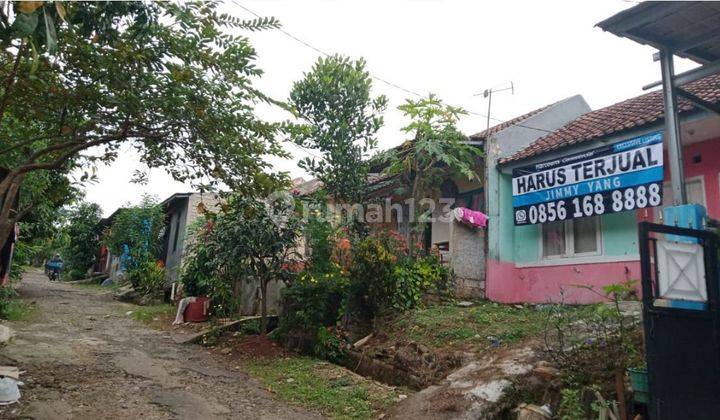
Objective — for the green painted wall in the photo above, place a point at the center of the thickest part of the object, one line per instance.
(505, 227)
(619, 234)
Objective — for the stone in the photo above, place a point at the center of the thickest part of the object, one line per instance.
(6, 334)
(464, 304)
(546, 372)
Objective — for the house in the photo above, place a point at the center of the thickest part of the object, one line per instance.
(464, 248)
(181, 210)
(537, 260)
(108, 262)
(505, 139)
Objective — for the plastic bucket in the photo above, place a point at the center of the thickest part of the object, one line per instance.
(639, 383)
(197, 311)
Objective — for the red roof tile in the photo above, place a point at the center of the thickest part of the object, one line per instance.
(629, 114)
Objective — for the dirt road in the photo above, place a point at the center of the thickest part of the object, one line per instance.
(85, 358)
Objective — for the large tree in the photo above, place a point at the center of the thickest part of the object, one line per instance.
(340, 120)
(83, 232)
(169, 80)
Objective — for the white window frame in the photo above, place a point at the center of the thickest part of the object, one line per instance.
(570, 242)
(658, 210)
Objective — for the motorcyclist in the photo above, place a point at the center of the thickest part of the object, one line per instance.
(54, 267)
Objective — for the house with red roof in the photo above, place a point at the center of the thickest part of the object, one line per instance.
(536, 255)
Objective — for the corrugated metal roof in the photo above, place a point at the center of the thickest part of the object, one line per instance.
(690, 29)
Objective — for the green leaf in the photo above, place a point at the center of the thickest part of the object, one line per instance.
(35, 58)
(25, 24)
(50, 35)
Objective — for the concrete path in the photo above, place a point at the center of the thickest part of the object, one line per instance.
(84, 358)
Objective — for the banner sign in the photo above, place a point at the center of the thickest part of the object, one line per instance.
(617, 177)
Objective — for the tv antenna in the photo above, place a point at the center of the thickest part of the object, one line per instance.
(487, 93)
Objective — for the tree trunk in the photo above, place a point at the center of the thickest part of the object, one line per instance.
(9, 189)
(263, 306)
(620, 390)
(411, 223)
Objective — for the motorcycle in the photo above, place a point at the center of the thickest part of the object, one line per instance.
(52, 269)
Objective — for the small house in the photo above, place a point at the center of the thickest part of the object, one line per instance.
(181, 210)
(540, 254)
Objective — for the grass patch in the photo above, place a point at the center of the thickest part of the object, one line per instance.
(322, 386)
(17, 309)
(96, 287)
(147, 314)
(477, 327)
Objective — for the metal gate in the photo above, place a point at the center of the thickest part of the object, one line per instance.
(681, 319)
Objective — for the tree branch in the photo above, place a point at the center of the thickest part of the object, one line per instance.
(22, 213)
(57, 162)
(10, 80)
(28, 142)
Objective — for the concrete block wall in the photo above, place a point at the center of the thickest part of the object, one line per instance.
(467, 259)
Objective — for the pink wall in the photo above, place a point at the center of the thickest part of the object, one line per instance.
(708, 168)
(544, 284)
(509, 284)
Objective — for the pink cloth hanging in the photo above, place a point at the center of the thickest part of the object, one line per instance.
(471, 217)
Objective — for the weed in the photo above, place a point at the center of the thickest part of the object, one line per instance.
(322, 386)
(571, 405)
(96, 287)
(483, 325)
(16, 310)
(147, 314)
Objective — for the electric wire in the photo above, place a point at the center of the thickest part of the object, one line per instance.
(380, 79)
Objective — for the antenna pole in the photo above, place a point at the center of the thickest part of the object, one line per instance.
(489, 93)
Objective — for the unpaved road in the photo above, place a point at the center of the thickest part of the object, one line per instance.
(84, 358)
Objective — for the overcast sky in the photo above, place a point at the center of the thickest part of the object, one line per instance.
(550, 50)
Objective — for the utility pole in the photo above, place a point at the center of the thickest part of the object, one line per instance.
(487, 93)
(672, 129)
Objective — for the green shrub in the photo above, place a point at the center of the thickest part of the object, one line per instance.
(414, 278)
(149, 278)
(330, 345)
(251, 327)
(571, 405)
(384, 276)
(196, 276)
(372, 280)
(6, 295)
(137, 229)
(319, 234)
(74, 274)
(313, 300)
(83, 244)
